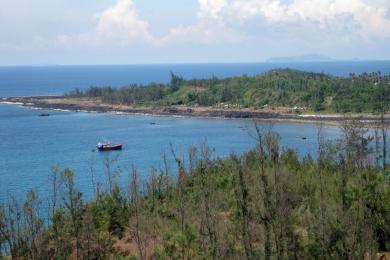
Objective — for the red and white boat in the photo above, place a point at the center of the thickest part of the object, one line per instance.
(108, 147)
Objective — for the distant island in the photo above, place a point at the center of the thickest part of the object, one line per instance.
(302, 58)
(276, 94)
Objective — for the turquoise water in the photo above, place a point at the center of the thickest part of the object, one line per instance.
(55, 80)
(30, 145)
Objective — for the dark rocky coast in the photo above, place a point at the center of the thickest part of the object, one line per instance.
(77, 104)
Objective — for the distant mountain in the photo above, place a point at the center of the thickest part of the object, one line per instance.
(303, 58)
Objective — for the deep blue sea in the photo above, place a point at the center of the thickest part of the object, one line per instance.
(31, 145)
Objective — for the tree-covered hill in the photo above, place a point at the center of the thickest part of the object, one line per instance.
(306, 91)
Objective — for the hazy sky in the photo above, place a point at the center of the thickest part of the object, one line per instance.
(176, 31)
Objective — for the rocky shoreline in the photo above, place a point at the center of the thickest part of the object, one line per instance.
(71, 104)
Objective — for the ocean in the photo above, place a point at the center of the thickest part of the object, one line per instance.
(31, 145)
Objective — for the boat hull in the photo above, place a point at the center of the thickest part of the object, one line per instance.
(106, 148)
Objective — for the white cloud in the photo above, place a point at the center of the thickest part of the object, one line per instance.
(217, 22)
(371, 18)
(346, 19)
(119, 23)
(122, 22)
(211, 10)
(210, 26)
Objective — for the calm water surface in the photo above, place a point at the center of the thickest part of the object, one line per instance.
(30, 145)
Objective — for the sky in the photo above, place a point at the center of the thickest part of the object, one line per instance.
(43, 32)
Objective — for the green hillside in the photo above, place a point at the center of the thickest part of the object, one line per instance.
(276, 88)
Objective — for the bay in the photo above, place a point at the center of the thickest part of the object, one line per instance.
(31, 145)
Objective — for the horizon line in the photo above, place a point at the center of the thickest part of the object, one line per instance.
(195, 63)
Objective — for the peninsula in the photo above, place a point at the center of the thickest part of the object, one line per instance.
(280, 94)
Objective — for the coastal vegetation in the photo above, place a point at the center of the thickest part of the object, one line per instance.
(267, 203)
(298, 90)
